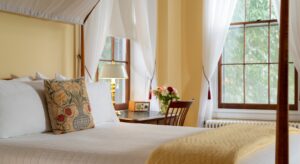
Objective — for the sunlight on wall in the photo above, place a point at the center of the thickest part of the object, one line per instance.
(179, 49)
(169, 45)
(192, 56)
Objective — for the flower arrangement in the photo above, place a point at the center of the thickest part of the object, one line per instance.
(165, 95)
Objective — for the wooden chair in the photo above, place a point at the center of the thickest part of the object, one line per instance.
(176, 112)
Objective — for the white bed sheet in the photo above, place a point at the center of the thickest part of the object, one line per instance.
(110, 144)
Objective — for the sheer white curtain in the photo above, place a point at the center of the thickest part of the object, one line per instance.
(122, 19)
(134, 19)
(294, 31)
(144, 50)
(96, 29)
(216, 22)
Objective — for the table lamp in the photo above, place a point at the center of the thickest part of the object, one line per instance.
(113, 71)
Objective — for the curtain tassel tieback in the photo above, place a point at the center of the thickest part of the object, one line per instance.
(150, 93)
(208, 83)
(209, 94)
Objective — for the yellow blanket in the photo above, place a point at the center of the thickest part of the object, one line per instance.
(225, 145)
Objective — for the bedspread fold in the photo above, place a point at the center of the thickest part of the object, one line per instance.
(225, 145)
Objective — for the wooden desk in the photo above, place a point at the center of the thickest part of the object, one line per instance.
(152, 117)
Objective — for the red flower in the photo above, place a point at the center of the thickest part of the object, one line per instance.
(68, 111)
(60, 118)
(170, 89)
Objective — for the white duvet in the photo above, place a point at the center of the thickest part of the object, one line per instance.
(111, 144)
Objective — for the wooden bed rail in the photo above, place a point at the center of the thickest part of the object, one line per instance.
(282, 136)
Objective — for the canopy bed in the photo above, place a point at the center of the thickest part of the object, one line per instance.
(116, 142)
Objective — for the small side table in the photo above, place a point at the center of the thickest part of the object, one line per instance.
(151, 117)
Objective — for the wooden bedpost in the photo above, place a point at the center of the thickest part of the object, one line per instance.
(82, 61)
(282, 135)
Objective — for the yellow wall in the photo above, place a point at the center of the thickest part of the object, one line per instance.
(28, 45)
(169, 43)
(180, 49)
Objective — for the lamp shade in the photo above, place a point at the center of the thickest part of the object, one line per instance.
(113, 71)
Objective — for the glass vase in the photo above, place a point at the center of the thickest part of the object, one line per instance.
(163, 106)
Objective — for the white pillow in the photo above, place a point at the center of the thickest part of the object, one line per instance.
(100, 100)
(21, 110)
(39, 76)
(60, 77)
(39, 88)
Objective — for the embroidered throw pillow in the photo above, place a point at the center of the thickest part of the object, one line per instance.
(68, 105)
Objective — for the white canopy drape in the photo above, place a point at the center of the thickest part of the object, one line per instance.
(294, 31)
(96, 29)
(109, 18)
(122, 19)
(70, 11)
(144, 50)
(217, 18)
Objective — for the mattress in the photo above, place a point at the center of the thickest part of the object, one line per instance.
(121, 143)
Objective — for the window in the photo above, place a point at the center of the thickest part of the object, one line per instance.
(248, 68)
(118, 50)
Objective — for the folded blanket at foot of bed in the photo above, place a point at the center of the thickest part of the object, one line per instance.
(225, 145)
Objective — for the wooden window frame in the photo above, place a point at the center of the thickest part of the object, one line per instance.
(122, 106)
(245, 105)
(222, 105)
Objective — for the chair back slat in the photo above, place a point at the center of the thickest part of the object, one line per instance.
(176, 112)
(177, 116)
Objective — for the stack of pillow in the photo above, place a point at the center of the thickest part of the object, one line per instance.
(60, 105)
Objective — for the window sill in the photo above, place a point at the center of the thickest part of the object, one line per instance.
(258, 114)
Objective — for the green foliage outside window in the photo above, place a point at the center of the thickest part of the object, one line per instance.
(250, 58)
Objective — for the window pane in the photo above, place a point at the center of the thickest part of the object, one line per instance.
(291, 84)
(256, 44)
(232, 84)
(257, 10)
(256, 84)
(273, 14)
(274, 43)
(120, 49)
(273, 83)
(239, 12)
(234, 46)
(107, 51)
(120, 95)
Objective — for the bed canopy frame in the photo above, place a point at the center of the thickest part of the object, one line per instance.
(66, 15)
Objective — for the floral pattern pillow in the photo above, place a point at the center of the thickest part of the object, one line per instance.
(68, 105)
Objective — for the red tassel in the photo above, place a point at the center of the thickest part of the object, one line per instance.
(150, 94)
(209, 95)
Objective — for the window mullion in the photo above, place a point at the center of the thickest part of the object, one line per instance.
(269, 54)
(244, 55)
(244, 66)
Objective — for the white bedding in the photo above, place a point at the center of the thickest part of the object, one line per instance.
(110, 144)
